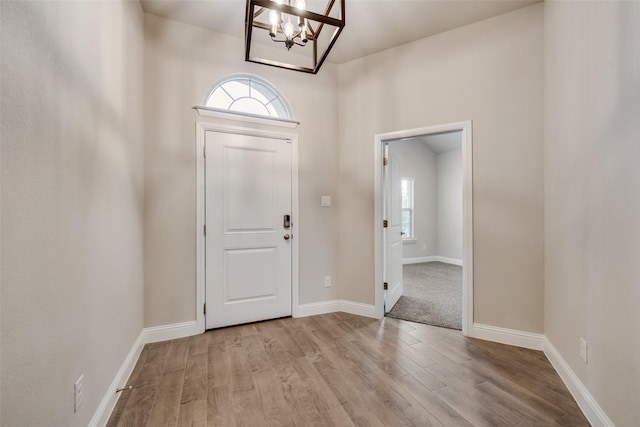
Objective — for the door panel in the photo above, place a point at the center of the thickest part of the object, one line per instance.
(243, 284)
(248, 260)
(249, 177)
(393, 236)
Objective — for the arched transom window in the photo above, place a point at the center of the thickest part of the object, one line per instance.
(248, 94)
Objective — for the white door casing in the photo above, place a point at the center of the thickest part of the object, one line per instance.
(380, 140)
(248, 274)
(393, 232)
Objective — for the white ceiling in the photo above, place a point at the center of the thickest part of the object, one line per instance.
(371, 25)
(439, 143)
(442, 142)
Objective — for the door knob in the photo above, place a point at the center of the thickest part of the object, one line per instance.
(287, 237)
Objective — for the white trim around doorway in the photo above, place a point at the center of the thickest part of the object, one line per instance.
(467, 212)
(201, 128)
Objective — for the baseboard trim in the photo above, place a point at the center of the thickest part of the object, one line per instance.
(434, 258)
(108, 403)
(450, 260)
(170, 332)
(358, 308)
(590, 408)
(418, 260)
(507, 336)
(315, 308)
(333, 306)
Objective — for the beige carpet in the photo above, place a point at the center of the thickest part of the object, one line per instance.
(432, 295)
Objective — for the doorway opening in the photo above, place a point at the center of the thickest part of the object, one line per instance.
(423, 212)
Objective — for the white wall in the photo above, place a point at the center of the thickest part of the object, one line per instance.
(437, 199)
(489, 72)
(592, 196)
(449, 190)
(72, 200)
(184, 62)
(419, 163)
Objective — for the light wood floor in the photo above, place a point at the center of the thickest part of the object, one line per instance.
(342, 370)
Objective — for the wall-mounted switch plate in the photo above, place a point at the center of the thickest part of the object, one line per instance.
(325, 201)
(583, 350)
(78, 392)
(327, 281)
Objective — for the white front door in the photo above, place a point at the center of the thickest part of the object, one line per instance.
(248, 245)
(393, 232)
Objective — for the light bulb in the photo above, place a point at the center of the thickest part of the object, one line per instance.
(300, 5)
(274, 19)
(303, 34)
(288, 30)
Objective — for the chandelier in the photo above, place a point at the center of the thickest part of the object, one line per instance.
(310, 29)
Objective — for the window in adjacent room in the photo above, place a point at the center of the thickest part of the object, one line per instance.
(407, 209)
(248, 94)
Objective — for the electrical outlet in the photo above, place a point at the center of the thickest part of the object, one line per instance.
(583, 350)
(327, 281)
(78, 392)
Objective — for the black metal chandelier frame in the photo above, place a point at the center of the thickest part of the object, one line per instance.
(307, 31)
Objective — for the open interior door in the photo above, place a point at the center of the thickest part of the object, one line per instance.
(393, 230)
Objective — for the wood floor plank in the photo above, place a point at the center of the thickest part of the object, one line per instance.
(297, 396)
(177, 356)
(444, 413)
(388, 403)
(220, 410)
(272, 399)
(387, 385)
(340, 369)
(348, 395)
(240, 372)
(138, 407)
(138, 369)
(459, 375)
(285, 336)
(571, 420)
(323, 397)
(549, 390)
(543, 405)
(248, 411)
(193, 400)
(151, 372)
(337, 417)
(515, 407)
(311, 350)
(167, 402)
(218, 365)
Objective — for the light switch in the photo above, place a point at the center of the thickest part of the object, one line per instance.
(325, 201)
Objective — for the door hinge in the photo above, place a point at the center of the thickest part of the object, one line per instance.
(204, 229)
(204, 308)
(204, 151)
(385, 161)
(385, 286)
(385, 223)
